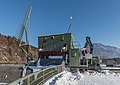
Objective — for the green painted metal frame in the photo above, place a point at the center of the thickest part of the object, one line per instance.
(39, 77)
(74, 57)
(55, 42)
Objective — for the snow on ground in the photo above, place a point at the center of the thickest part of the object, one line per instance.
(86, 78)
(100, 79)
(64, 78)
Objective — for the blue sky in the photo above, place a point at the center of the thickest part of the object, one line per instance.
(99, 19)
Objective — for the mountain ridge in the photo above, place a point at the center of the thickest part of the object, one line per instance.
(105, 51)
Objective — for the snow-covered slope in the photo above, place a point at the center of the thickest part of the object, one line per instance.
(86, 78)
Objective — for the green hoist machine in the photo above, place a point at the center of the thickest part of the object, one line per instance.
(59, 45)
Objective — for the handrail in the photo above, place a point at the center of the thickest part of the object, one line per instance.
(76, 45)
(38, 77)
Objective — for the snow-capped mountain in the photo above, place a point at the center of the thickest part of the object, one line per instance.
(105, 51)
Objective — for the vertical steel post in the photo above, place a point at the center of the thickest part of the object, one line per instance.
(28, 81)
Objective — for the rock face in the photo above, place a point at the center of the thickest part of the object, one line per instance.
(105, 51)
(11, 53)
(9, 73)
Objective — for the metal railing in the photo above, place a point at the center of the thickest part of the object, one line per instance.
(76, 44)
(39, 77)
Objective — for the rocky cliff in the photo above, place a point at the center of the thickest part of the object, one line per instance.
(11, 53)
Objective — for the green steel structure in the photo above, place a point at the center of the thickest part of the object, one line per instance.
(55, 42)
(59, 45)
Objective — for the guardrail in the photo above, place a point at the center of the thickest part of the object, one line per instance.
(76, 44)
(39, 77)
